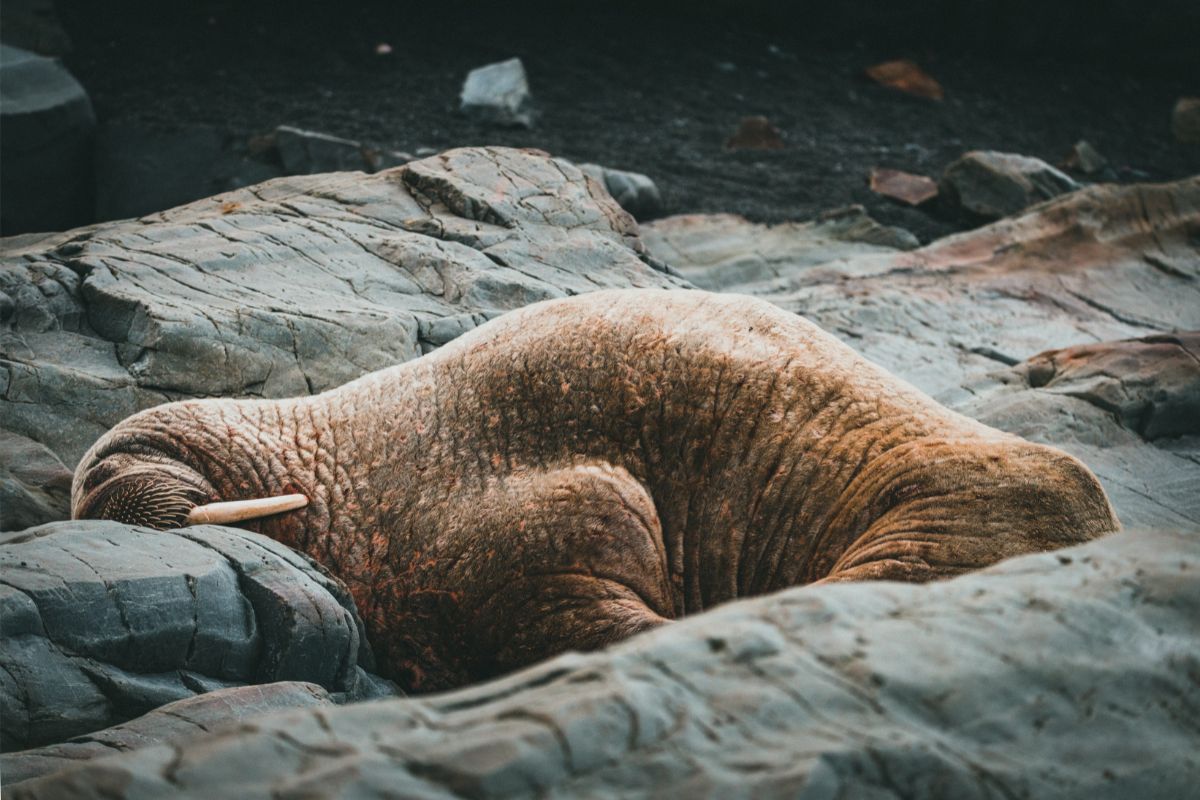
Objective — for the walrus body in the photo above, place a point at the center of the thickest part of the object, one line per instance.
(584, 469)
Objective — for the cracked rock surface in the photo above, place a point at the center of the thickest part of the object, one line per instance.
(104, 622)
(1102, 265)
(1068, 674)
(289, 287)
(203, 712)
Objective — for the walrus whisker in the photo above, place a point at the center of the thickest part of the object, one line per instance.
(241, 510)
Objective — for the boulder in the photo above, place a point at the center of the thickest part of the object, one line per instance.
(1185, 120)
(35, 486)
(293, 286)
(104, 622)
(993, 185)
(1107, 263)
(1086, 159)
(48, 127)
(204, 712)
(1068, 674)
(633, 191)
(498, 94)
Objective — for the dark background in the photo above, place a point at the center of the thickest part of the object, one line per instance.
(647, 86)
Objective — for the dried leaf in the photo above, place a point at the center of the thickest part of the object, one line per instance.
(755, 133)
(903, 186)
(906, 76)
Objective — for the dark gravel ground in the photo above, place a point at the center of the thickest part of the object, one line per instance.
(656, 90)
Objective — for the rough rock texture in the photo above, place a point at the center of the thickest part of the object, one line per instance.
(727, 252)
(103, 622)
(292, 286)
(1053, 675)
(48, 127)
(183, 717)
(992, 185)
(499, 94)
(1105, 263)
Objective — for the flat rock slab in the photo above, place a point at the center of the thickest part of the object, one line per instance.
(1104, 264)
(1052, 675)
(104, 622)
(291, 287)
(204, 712)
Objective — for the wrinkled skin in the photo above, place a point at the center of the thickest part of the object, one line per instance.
(584, 469)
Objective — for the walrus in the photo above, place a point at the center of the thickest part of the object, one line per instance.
(583, 469)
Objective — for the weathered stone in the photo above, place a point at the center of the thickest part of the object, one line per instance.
(104, 622)
(48, 128)
(35, 486)
(1085, 159)
(635, 192)
(1067, 674)
(499, 94)
(728, 252)
(202, 713)
(293, 286)
(993, 185)
(1185, 120)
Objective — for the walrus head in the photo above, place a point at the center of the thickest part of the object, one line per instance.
(142, 477)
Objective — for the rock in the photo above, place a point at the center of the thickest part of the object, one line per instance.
(1052, 675)
(905, 76)
(727, 252)
(35, 486)
(142, 170)
(202, 713)
(1185, 120)
(307, 152)
(910, 189)
(633, 191)
(296, 286)
(992, 185)
(46, 149)
(1085, 159)
(498, 94)
(104, 622)
(755, 133)
(1130, 409)
(1104, 263)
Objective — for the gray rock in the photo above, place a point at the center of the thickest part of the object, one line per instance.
(1185, 120)
(1069, 674)
(1086, 159)
(635, 192)
(729, 253)
(202, 713)
(35, 486)
(104, 622)
(498, 94)
(48, 128)
(992, 185)
(1105, 263)
(307, 152)
(294, 286)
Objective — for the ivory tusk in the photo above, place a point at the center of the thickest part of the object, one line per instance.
(239, 510)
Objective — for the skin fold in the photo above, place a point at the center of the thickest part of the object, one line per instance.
(583, 469)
